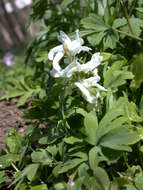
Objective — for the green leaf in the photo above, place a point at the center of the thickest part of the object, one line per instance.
(11, 94)
(52, 150)
(72, 140)
(114, 132)
(39, 187)
(82, 170)
(66, 3)
(137, 69)
(106, 56)
(140, 133)
(119, 22)
(31, 171)
(91, 125)
(113, 113)
(94, 22)
(102, 178)
(8, 159)
(59, 186)
(137, 25)
(140, 9)
(130, 187)
(109, 42)
(119, 138)
(139, 181)
(95, 39)
(13, 140)
(116, 76)
(23, 186)
(79, 155)
(12, 144)
(114, 185)
(42, 157)
(93, 158)
(131, 112)
(24, 98)
(3, 177)
(66, 166)
(102, 4)
(80, 111)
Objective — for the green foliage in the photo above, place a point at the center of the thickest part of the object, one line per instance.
(72, 143)
(137, 69)
(116, 75)
(112, 25)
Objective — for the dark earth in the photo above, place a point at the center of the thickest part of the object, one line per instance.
(10, 114)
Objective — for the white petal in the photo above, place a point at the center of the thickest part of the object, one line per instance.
(92, 64)
(89, 66)
(54, 73)
(55, 50)
(74, 47)
(56, 60)
(91, 99)
(77, 37)
(97, 58)
(62, 37)
(92, 81)
(75, 67)
(95, 72)
(100, 87)
(84, 48)
(97, 95)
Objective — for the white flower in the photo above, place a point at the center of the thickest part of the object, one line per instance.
(90, 82)
(20, 4)
(0, 165)
(93, 81)
(8, 7)
(67, 72)
(68, 47)
(73, 47)
(8, 59)
(71, 68)
(89, 66)
(86, 94)
(77, 67)
(72, 184)
(92, 64)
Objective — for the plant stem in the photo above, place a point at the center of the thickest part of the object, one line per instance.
(14, 166)
(132, 6)
(126, 160)
(140, 154)
(128, 20)
(130, 35)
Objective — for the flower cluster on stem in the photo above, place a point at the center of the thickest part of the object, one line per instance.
(70, 48)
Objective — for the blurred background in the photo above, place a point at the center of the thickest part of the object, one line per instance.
(15, 33)
(14, 22)
(15, 30)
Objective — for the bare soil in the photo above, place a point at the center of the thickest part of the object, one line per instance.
(10, 114)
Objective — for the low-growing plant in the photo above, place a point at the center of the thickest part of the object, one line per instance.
(87, 110)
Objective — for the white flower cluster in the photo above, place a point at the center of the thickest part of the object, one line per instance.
(71, 49)
(20, 4)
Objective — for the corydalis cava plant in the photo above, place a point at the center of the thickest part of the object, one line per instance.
(70, 48)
